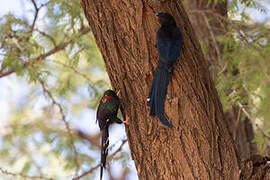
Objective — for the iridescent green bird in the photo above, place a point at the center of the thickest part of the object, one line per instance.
(106, 115)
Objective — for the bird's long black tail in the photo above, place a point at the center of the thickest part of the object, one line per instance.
(104, 149)
(158, 93)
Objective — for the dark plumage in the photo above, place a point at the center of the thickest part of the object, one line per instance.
(106, 115)
(168, 42)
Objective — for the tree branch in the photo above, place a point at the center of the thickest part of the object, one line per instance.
(3, 171)
(263, 134)
(93, 139)
(57, 48)
(109, 159)
(64, 120)
(6, 73)
(36, 15)
(87, 172)
(78, 73)
(47, 36)
(213, 38)
(244, 110)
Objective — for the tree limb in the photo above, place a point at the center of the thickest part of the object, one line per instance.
(109, 159)
(47, 36)
(64, 120)
(3, 171)
(57, 48)
(36, 15)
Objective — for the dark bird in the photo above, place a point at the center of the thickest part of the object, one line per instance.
(106, 115)
(169, 43)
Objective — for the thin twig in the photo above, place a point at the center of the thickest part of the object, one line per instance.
(74, 70)
(261, 131)
(87, 172)
(264, 136)
(259, 50)
(212, 13)
(35, 16)
(244, 110)
(64, 120)
(92, 139)
(213, 38)
(37, 9)
(109, 159)
(265, 139)
(78, 73)
(6, 73)
(224, 68)
(47, 36)
(3, 171)
(57, 48)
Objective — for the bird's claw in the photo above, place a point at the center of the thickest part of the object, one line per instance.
(126, 121)
(118, 93)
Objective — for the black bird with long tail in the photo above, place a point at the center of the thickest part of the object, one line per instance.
(106, 115)
(169, 43)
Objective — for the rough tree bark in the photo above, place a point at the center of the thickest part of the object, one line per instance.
(199, 146)
(208, 23)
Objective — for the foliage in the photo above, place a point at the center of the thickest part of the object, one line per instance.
(57, 61)
(54, 55)
(245, 81)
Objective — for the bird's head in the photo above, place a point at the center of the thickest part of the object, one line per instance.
(108, 94)
(165, 18)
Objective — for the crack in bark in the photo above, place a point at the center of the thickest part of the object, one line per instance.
(186, 156)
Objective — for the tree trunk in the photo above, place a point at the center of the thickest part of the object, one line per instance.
(208, 23)
(199, 146)
(241, 132)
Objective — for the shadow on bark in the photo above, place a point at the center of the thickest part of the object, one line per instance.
(256, 167)
(207, 24)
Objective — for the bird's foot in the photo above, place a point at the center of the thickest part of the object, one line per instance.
(118, 93)
(126, 121)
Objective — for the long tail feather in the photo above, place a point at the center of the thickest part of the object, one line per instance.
(164, 120)
(104, 149)
(101, 172)
(158, 93)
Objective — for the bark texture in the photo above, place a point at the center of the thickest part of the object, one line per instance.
(242, 133)
(199, 146)
(256, 167)
(208, 21)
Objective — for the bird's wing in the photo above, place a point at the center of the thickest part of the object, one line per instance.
(113, 105)
(98, 111)
(174, 50)
(103, 117)
(107, 112)
(168, 48)
(104, 148)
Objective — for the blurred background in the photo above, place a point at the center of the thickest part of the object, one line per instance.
(52, 76)
(35, 102)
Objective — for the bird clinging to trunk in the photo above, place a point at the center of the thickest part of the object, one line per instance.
(168, 42)
(106, 115)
